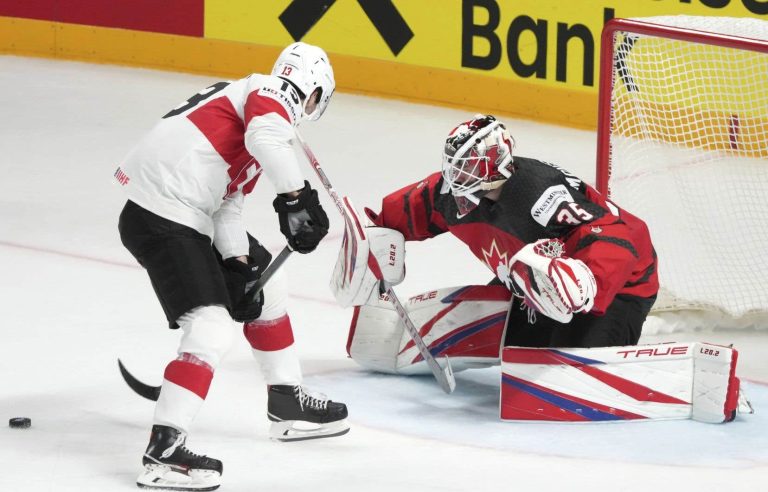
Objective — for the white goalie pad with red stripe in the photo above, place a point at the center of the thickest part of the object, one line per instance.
(464, 323)
(646, 382)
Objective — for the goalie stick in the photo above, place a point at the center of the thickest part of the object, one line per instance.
(354, 229)
(153, 392)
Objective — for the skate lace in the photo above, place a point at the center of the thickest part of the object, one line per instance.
(170, 450)
(317, 401)
(179, 444)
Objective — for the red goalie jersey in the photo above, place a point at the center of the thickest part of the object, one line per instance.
(539, 201)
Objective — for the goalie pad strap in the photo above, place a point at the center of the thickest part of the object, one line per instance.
(646, 382)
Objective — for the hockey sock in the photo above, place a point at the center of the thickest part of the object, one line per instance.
(273, 348)
(185, 386)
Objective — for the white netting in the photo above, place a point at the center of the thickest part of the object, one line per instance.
(689, 155)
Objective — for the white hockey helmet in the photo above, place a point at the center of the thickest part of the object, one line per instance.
(307, 68)
(477, 158)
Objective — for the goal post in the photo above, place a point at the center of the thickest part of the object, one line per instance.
(683, 144)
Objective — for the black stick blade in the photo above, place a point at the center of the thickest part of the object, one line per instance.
(141, 389)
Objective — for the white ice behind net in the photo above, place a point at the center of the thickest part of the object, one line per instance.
(689, 155)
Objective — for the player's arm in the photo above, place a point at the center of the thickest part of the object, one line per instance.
(268, 138)
(411, 210)
(270, 116)
(230, 237)
(615, 247)
(597, 242)
(609, 254)
(243, 259)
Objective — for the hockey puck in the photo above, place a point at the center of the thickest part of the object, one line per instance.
(20, 423)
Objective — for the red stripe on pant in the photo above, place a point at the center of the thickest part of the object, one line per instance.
(192, 376)
(269, 336)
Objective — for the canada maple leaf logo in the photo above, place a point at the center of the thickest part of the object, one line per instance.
(498, 262)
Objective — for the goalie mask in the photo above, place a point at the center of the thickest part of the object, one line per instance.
(477, 159)
(308, 69)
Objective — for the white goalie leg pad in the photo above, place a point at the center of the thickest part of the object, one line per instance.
(353, 283)
(609, 384)
(464, 323)
(715, 385)
(375, 335)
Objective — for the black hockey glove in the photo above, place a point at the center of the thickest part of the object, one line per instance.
(241, 278)
(302, 219)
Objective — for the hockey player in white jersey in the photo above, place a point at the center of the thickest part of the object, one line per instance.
(185, 183)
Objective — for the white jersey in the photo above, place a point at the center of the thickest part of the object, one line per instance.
(196, 165)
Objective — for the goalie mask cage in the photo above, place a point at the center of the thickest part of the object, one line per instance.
(683, 144)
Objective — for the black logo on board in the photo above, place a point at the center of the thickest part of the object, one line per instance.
(301, 15)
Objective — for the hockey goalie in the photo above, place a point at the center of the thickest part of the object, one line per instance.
(575, 278)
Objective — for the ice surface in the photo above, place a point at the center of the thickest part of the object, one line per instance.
(73, 301)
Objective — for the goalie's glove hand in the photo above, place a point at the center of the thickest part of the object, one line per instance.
(241, 278)
(303, 221)
(553, 284)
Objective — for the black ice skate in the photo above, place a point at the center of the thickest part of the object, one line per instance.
(298, 416)
(169, 465)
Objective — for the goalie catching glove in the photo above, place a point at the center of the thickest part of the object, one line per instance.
(553, 284)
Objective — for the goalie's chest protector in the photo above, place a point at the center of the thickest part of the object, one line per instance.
(539, 201)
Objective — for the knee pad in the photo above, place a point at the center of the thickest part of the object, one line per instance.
(275, 297)
(208, 333)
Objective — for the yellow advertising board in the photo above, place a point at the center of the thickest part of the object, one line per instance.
(545, 50)
(532, 58)
(554, 42)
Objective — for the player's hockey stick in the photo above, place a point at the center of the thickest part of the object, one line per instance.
(141, 389)
(268, 272)
(443, 375)
(153, 392)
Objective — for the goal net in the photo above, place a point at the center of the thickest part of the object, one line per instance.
(683, 144)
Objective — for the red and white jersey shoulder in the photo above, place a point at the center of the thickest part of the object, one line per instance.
(199, 161)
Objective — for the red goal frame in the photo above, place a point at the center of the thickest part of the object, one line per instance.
(606, 78)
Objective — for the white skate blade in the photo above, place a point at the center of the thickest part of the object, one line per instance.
(300, 430)
(164, 477)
